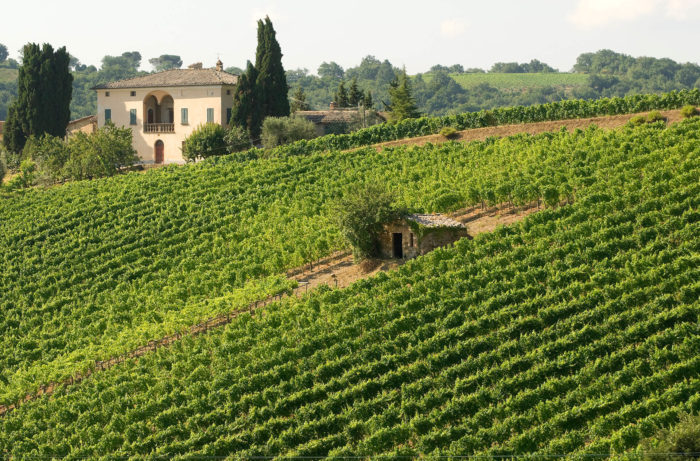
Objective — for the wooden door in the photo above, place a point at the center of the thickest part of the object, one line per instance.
(159, 151)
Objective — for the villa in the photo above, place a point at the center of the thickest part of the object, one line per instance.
(163, 108)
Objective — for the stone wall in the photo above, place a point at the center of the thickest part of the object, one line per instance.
(412, 245)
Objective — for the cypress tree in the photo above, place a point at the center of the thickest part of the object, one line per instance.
(341, 95)
(44, 89)
(367, 101)
(402, 103)
(354, 94)
(272, 80)
(246, 104)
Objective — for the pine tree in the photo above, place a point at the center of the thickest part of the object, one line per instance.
(341, 95)
(44, 89)
(354, 94)
(367, 101)
(299, 100)
(272, 80)
(402, 103)
(246, 103)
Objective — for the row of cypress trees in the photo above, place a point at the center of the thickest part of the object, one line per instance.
(44, 90)
(262, 89)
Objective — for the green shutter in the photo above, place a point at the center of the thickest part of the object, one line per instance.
(183, 116)
(108, 115)
(132, 117)
(210, 115)
(228, 116)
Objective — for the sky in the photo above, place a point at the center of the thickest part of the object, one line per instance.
(410, 33)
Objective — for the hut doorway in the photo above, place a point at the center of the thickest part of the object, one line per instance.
(397, 243)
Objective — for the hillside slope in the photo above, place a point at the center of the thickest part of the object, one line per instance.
(575, 331)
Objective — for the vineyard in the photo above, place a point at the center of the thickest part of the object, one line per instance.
(575, 331)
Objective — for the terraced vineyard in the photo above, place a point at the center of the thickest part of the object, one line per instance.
(575, 331)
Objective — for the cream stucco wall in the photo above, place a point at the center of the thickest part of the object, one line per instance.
(197, 99)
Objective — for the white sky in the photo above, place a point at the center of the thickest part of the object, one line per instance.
(417, 34)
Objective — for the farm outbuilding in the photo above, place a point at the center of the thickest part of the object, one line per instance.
(418, 234)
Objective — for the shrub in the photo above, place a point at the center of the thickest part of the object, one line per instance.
(205, 141)
(284, 130)
(26, 176)
(50, 154)
(681, 441)
(101, 153)
(3, 167)
(655, 116)
(237, 139)
(638, 120)
(448, 132)
(361, 215)
(688, 111)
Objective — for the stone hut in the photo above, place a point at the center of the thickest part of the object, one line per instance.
(418, 234)
(86, 125)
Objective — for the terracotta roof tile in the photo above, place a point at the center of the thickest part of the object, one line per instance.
(174, 77)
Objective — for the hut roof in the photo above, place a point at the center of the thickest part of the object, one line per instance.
(435, 221)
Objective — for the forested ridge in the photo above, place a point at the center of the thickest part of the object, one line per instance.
(441, 90)
(573, 332)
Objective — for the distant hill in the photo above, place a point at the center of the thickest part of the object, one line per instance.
(517, 81)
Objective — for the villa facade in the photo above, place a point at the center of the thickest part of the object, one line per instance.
(162, 109)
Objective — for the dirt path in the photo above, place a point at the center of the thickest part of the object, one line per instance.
(336, 270)
(480, 134)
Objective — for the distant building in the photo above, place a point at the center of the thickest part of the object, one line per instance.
(85, 125)
(418, 234)
(338, 121)
(162, 109)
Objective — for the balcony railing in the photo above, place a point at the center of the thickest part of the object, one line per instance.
(159, 128)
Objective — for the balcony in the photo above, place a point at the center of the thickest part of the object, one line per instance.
(159, 128)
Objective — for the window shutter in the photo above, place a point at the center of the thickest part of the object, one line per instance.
(228, 116)
(132, 117)
(210, 115)
(183, 116)
(108, 115)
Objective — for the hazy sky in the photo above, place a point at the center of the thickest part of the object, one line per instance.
(416, 34)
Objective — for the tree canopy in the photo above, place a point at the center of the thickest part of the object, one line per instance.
(165, 62)
(43, 98)
(403, 104)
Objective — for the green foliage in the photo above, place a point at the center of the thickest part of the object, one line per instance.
(655, 116)
(271, 81)
(534, 66)
(573, 332)
(638, 120)
(3, 165)
(277, 131)
(99, 154)
(205, 141)
(165, 62)
(50, 154)
(341, 96)
(402, 103)
(361, 214)
(237, 139)
(682, 441)
(449, 132)
(43, 98)
(355, 96)
(298, 101)
(3, 53)
(26, 177)
(689, 111)
(246, 112)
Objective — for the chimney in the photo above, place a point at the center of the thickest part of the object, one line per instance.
(219, 65)
(332, 105)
